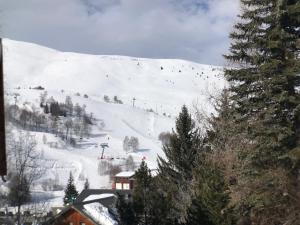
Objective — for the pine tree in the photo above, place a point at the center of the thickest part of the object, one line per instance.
(46, 109)
(125, 211)
(210, 204)
(220, 124)
(70, 191)
(266, 93)
(69, 105)
(198, 214)
(182, 151)
(265, 50)
(159, 205)
(149, 205)
(141, 197)
(176, 172)
(86, 184)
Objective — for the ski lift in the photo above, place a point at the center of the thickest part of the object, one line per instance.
(103, 146)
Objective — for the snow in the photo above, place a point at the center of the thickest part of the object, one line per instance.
(99, 213)
(125, 174)
(96, 197)
(62, 74)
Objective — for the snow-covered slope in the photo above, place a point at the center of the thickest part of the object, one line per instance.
(162, 85)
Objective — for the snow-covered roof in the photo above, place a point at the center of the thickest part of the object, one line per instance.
(97, 196)
(99, 213)
(125, 174)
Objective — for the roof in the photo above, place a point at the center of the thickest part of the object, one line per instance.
(125, 174)
(97, 197)
(104, 196)
(95, 204)
(94, 211)
(99, 213)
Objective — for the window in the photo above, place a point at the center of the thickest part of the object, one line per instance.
(126, 186)
(119, 186)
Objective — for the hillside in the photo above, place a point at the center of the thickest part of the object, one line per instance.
(159, 86)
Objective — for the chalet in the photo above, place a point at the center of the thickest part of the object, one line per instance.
(72, 215)
(124, 181)
(88, 209)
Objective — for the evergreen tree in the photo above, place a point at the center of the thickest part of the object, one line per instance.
(86, 184)
(265, 49)
(141, 195)
(159, 205)
(69, 105)
(221, 124)
(197, 214)
(148, 205)
(125, 211)
(210, 204)
(265, 45)
(176, 172)
(55, 124)
(183, 147)
(46, 109)
(70, 191)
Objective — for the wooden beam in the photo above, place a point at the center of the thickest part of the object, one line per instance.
(3, 165)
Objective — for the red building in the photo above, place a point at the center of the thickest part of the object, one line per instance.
(124, 181)
(73, 215)
(89, 208)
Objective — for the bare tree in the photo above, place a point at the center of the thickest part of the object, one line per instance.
(134, 143)
(126, 147)
(25, 168)
(164, 137)
(43, 98)
(68, 125)
(130, 164)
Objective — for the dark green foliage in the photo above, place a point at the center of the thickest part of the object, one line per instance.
(265, 44)
(182, 152)
(55, 109)
(198, 214)
(189, 189)
(160, 206)
(70, 191)
(265, 48)
(149, 205)
(141, 194)
(211, 195)
(46, 109)
(125, 211)
(222, 131)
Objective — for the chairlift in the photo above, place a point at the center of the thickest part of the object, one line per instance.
(103, 146)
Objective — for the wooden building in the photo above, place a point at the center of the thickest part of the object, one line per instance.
(72, 215)
(91, 207)
(124, 181)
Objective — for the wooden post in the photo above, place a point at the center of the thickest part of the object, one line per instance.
(3, 166)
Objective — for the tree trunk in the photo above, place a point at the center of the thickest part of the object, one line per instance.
(19, 215)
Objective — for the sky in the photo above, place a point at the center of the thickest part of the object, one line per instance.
(196, 30)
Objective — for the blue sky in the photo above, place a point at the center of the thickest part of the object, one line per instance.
(194, 30)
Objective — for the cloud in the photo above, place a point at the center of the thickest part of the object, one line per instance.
(194, 30)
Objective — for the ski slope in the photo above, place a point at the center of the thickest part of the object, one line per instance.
(162, 85)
